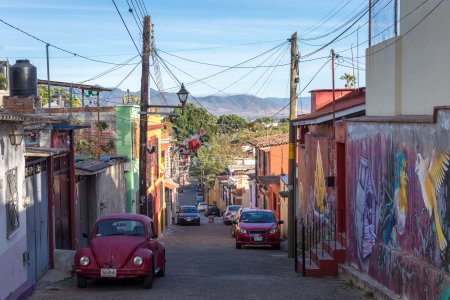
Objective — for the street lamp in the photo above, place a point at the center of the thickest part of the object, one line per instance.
(16, 138)
(183, 96)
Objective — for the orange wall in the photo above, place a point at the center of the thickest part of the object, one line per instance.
(279, 159)
(321, 98)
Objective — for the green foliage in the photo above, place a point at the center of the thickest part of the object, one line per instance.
(216, 157)
(231, 123)
(350, 80)
(43, 93)
(3, 82)
(133, 99)
(192, 120)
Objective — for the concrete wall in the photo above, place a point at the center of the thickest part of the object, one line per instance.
(397, 234)
(13, 272)
(106, 193)
(410, 77)
(315, 164)
(125, 116)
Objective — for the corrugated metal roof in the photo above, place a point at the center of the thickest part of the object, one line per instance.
(93, 166)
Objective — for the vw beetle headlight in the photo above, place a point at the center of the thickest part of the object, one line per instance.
(243, 230)
(137, 261)
(84, 261)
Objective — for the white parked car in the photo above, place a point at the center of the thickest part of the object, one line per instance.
(202, 206)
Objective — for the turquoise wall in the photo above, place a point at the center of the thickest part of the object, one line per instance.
(125, 114)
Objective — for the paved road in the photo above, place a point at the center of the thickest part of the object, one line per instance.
(202, 263)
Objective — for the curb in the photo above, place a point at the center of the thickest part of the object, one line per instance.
(367, 284)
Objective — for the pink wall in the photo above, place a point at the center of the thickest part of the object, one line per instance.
(394, 234)
(320, 98)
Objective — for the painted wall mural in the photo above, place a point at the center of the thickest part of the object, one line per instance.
(398, 197)
(320, 189)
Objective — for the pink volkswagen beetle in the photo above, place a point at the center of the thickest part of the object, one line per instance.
(121, 246)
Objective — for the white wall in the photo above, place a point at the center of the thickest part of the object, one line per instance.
(416, 69)
(13, 272)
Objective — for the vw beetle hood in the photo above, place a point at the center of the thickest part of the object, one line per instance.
(114, 251)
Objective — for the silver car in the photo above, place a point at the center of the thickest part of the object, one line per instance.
(230, 214)
(202, 206)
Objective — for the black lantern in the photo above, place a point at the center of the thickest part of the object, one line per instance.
(183, 94)
(16, 138)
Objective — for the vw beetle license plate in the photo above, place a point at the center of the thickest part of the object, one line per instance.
(108, 272)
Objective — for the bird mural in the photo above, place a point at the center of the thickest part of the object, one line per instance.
(320, 189)
(431, 174)
(400, 199)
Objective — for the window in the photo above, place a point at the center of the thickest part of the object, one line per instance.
(12, 205)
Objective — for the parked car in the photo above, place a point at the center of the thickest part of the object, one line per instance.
(236, 221)
(212, 210)
(230, 214)
(121, 246)
(188, 214)
(257, 227)
(199, 200)
(202, 206)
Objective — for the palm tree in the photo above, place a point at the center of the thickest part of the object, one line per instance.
(350, 80)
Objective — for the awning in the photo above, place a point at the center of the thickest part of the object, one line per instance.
(272, 179)
(43, 152)
(170, 184)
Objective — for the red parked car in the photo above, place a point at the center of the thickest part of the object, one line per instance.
(121, 246)
(257, 227)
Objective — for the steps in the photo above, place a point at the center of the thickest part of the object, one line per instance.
(323, 260)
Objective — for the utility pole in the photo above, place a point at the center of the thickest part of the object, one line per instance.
(334, 96)
(98, 125)
(48, 80)
(143, 118)
(292, 139)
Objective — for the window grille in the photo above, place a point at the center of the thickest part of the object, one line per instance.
(12, 203)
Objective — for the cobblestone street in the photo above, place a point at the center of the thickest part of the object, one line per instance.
(202, 263)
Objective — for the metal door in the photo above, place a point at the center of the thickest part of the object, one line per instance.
(36, 191)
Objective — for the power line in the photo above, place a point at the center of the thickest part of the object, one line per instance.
(304, 88)
(220, 66)
(56, 47)
(126, 27)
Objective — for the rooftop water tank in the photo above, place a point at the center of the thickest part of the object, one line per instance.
(23, 81)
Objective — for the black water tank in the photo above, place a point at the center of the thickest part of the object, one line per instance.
(23, 77)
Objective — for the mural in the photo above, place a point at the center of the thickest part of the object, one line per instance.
(365, 214)
(320, 190)
(399, 206)
(431, 173)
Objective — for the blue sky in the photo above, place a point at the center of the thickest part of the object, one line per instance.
(215, 32)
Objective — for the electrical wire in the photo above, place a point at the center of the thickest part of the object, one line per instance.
(126, 27)
(58, 48)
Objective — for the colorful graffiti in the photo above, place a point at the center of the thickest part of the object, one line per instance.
(320, 190)
(431, 173)
(365, 212)
(399, 206)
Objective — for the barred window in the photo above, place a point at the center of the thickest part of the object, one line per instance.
(12, 203)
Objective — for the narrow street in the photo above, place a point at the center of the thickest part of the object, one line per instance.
(202, 263)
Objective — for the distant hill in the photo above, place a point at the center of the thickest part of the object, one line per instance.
(247, 106)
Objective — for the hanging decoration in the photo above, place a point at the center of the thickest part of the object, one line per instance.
(190, 145)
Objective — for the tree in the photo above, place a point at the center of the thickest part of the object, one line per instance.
(3, 82)
(231, 123)
(43, 93)
(191, 121)
(350, 80)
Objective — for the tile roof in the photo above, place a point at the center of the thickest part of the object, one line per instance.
(357, 98)
(272, 140)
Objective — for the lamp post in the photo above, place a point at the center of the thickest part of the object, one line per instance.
(16, 138)
(183, 96)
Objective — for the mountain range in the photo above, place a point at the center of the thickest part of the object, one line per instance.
(246, 106)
